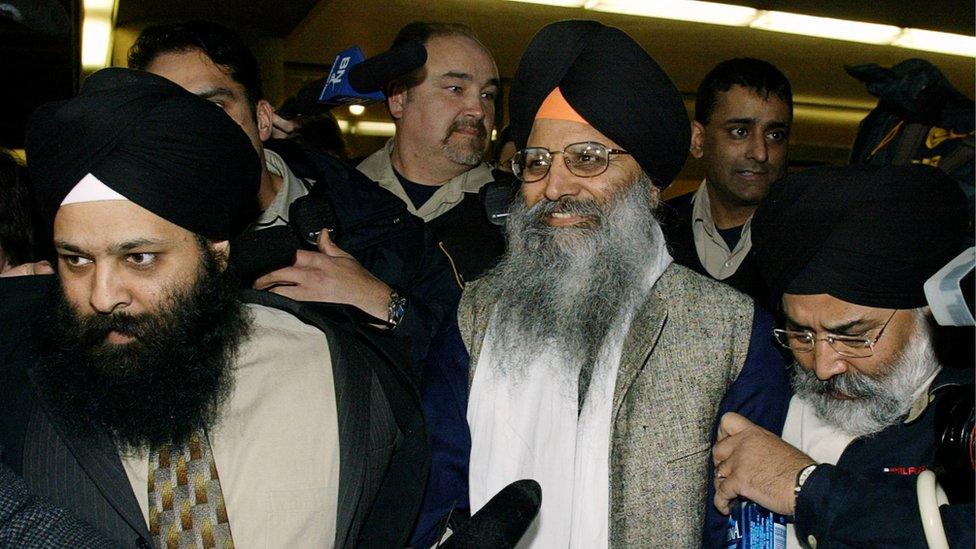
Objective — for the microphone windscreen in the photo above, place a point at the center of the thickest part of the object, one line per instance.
(502, 521)
(373, 74)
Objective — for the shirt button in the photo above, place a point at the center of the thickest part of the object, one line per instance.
(812, 541)
(728, 263)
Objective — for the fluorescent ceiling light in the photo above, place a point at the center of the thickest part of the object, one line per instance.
(940, 42)
(682, 10)
(96, 35)
(105, 6)
(367, 127)
(777, 21)
(560, 3)
(825, 27)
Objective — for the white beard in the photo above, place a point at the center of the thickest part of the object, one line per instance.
(878, 402)
(564, 289)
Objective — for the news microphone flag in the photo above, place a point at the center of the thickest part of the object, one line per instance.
(337, 89)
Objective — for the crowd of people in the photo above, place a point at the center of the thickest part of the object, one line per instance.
(216, 331)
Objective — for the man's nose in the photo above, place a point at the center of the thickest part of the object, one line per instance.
(827, 362)
(474, 106)
(758, 148)
(560, 182)
(108, 291)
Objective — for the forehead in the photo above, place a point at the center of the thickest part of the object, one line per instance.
(824, 308)
(95, 225)
(192, 70)
(556, 134)
(459, 54)
(742, 102)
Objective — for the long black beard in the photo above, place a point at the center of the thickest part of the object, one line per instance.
(169, 381)
(561, 291)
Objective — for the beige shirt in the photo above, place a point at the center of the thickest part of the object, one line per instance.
(277, 443)
(292, 188)
(713, 252)
(379, 168)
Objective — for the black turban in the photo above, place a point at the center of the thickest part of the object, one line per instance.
(165, 149)
(613, 84)
(869, 235)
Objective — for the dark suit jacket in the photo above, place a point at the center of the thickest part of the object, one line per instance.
(383, 453)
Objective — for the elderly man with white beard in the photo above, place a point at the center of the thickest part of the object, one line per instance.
(598, 367)
(846, 252)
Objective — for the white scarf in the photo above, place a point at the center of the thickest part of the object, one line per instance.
(528, 425)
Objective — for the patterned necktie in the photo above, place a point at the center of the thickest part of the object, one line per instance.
(186, 504)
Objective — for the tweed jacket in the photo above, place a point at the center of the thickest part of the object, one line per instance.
(686, 345)
(26, 522)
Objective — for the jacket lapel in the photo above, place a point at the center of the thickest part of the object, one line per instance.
(641, 339)
(98, 457)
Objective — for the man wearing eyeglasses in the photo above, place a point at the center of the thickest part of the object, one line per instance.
(846, 252)
(599, 366)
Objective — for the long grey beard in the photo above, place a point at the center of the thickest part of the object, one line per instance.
(876, 402)
(560, 291)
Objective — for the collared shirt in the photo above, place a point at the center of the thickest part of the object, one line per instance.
(276, 445)
(292, 188)
(379, 168)
(713, 252)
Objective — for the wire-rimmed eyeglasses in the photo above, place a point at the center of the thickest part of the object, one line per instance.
(586, 159)
(850, 346)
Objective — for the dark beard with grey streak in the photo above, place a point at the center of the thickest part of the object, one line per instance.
(471, 149)
(870, 404)
(560, 291)
(169, 381)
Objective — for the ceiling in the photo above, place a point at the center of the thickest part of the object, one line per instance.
(295, 41)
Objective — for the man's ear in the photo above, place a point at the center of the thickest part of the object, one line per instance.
(221, 249)
(697, 139)
(396, 100)
(655, 195)
(264, 113)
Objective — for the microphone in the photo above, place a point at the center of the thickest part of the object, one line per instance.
(355, 80)
(375, 73)
(502, 521)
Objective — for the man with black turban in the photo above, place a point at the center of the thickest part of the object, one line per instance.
(846, 252)
(172, 409)
(599, 366)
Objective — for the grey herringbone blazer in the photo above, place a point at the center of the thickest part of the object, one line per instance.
(686, 345)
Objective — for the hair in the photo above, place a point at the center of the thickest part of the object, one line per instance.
(322, 133)
(222, 45)
(757, 75)
(423, 31)
(16, 211)
(504, 136)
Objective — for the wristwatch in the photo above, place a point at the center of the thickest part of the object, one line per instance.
(802, 477)
(395, 309)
